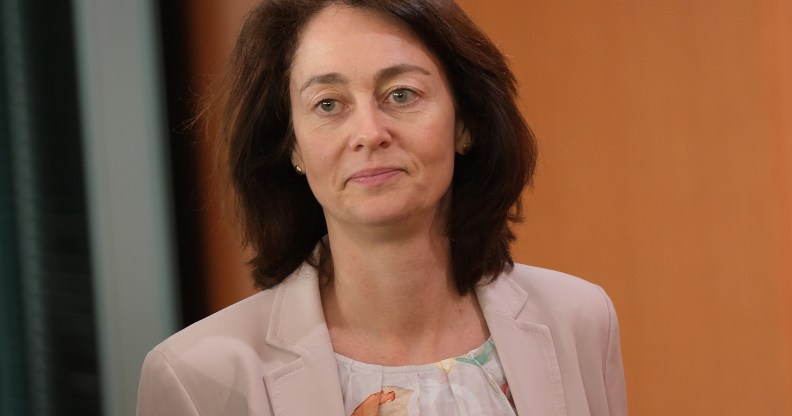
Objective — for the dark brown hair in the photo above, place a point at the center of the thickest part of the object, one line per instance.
(281, 219)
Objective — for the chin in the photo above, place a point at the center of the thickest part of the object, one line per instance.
(399, 218)
(382, 218)
(393, 210)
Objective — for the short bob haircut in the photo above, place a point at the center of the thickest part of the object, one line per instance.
(282, 221)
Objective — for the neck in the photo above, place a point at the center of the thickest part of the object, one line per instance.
(394, 299)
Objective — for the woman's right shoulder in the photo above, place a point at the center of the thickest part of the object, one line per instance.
(243, 320)
(208, 363)
(245, 324)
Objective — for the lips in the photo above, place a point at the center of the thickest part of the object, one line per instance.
(374, 176)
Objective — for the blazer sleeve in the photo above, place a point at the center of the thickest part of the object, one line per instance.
(614, 369)
(160, 391)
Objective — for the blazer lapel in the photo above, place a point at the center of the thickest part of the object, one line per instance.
(525, 349)
(309, 384)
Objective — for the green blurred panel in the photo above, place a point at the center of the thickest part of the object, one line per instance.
(13, 386)
(128, 188)
(47, 287)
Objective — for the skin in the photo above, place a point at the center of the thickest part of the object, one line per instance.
(376, 131)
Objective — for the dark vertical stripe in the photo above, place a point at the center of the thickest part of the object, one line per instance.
(13, 382)
(51, 248)
(182, 106)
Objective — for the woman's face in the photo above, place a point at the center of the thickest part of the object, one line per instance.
(374, 119)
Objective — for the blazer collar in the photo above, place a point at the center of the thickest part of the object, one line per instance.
(297, 321)
(525, 348)
(308, 384)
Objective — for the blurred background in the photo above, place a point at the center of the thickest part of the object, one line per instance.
(665, 176)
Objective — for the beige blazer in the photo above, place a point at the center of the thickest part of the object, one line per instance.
(270, 354)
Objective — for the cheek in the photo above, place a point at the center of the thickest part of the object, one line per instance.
(307, 141)
(320, 154)
(321, 164)
(319, 146)
(442, 145)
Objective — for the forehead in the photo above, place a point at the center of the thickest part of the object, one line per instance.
(353, 40)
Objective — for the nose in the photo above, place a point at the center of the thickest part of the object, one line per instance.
(370, 129)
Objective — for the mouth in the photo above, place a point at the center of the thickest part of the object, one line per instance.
(374, 176)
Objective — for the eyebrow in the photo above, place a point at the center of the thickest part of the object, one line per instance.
(396, 70)
(382, 75)
(329, 78)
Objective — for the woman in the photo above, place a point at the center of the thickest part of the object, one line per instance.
(378, 156)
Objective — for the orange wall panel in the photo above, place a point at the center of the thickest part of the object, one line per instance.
(777, 24)
(658, 179)
(213, 27)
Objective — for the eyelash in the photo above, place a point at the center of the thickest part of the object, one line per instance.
(388, 97)
(409, 91)
(326, 100)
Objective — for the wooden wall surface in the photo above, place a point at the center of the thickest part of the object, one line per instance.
(212, 28)
(665, 176)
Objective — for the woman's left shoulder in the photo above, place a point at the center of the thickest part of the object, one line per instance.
(559, 293)
(552, 283)
(579, 321)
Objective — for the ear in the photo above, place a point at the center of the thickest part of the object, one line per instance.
(462, 139)
(296, 157)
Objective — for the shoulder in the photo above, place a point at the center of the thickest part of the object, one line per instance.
(557, 297)
(584, 330)
(237, 332)
(553, 285)
(242, 321)
(211, 363)
(218, 364)
(242, 331)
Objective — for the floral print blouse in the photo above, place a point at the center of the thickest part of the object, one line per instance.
(472, 384)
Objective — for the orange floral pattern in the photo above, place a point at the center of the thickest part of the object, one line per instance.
(471, 384)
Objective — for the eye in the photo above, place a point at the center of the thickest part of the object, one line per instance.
(402, 96)
(328, 106)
